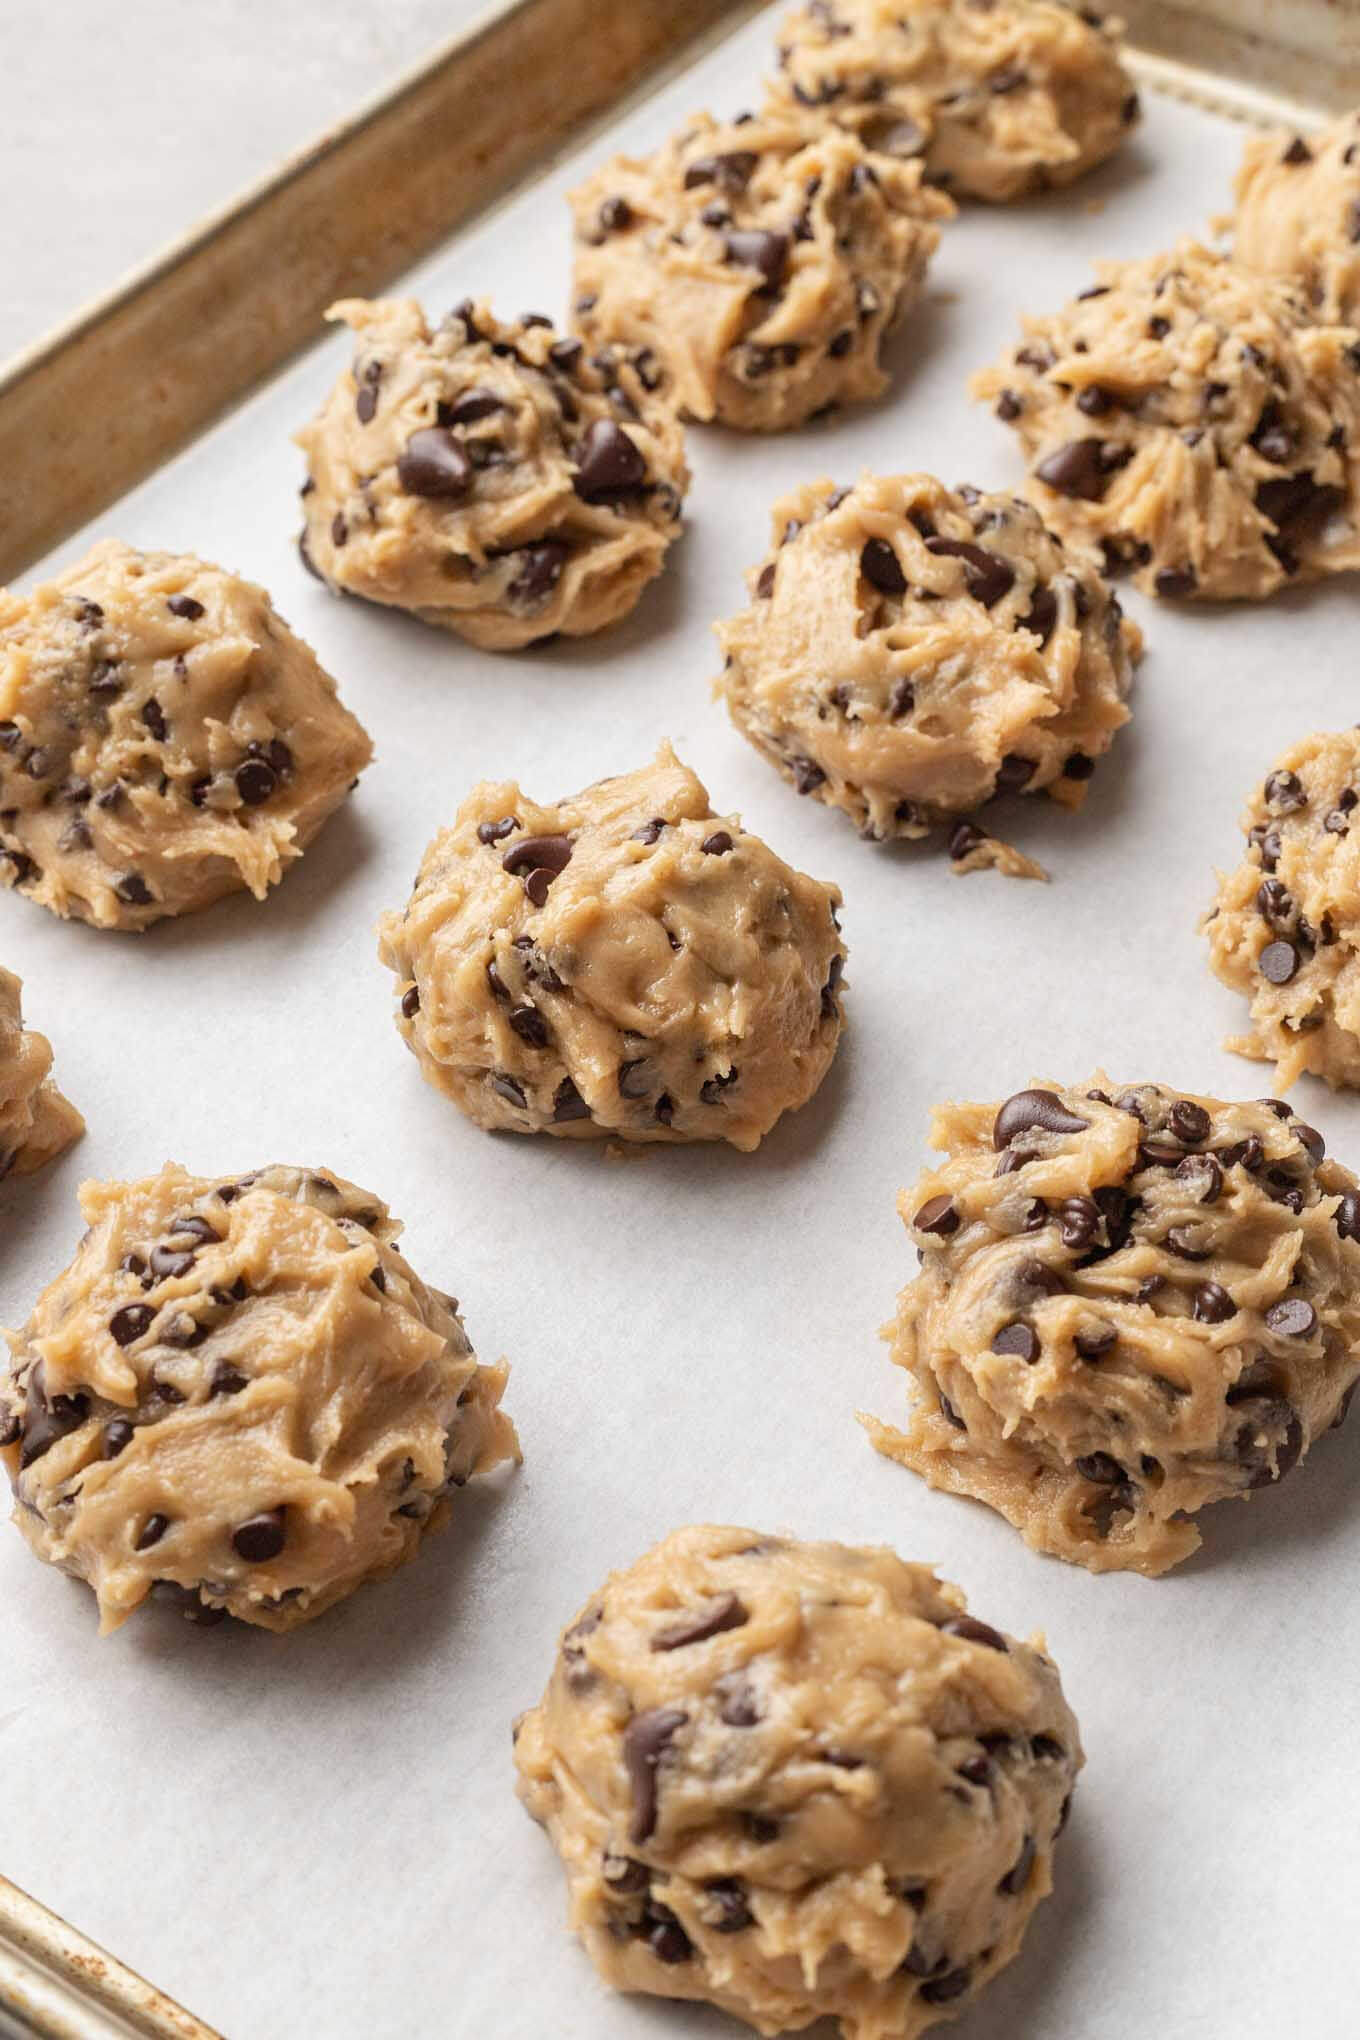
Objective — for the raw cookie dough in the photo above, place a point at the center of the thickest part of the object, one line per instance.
(1298, 214)
(756, 265)
(1125, 1311)
(1189, 418)
(912, 650)
(240, 1399)
(164, 739)
(36, 1122)
(492, 478)
(623, 963)
(798, 1780)
(995, 99)
(1285, 930)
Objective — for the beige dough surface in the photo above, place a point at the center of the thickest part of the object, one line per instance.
(1192, 420)
(1285, 928)
(492, 478)
(1125, 1311)
(164, 739)
(994, 99)
(758, 263)
(625, 963)
(1298, 214)
(36, 1122)
(910, 651)
(239, 1398)
(798, 1780)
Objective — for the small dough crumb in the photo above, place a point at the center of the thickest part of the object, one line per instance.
(164, 739)
(756, 264)
(1194, 422)
(798, 1781)
(912, 651)
(240, 1399)
(490, 477)
(995, 100)
(1298, 215)
(1131, 1304)
(1285, 930)
(622, 963)
(36, 1122)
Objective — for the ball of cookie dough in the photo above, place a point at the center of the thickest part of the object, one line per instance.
(754, 265)
(798, 1781)
(1298, 215)
(493, 479)
(36, 1122)
(239, 1398)
(164, 739)
(1285, 928)
(995, 100)
(624, 963)
(1191, 420)
(911, 651)
(1131, 1303)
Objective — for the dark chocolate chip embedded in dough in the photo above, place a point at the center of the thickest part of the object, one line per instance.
(1292, 1318)
(185, 606)
(538, 571)
(1031, 1110)
(666, 1937)
(153, 716)
(1310, 1140)
(410, 1000)
(938, 1215)
(1297, 152)
(645, 1741)
(1095, 1341)
(1212, 1304)
(255, 781)
(1078, 1221)
(1077, 469)
(761, 249)
(807, 775)
(737, 1703)
(493, 832)
(881, 567)
(261, 1537)
(1346, 1217)
(903, 700)
(529, 1025)
(1020, 1339)
(1017, 1877)
(725, 1611)
(129, 1323)
(972, 1631)
(434, 464)
(988, 576)
(568, 1104)
(133, 890)
(625, 1875)
(151, 1532)
(942, 1990)
(537, 853)
(1101, 1468)
(227, 1380)
(731, 1913)
(1188, 1121)
(1278, 962)
(716, 845)
(1202, 1176)
(117, 1437)
(964, 839)
(608, 464)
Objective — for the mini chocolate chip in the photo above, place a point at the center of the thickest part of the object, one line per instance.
(972, 1631)
(761, 249)
(977, 1770)
(807, 776)
(737, 1706)
(410, 999)
(153, 716)
(529, 1025)
(941, 1990)
(1078, 1222)
(434, 464)
(881, 568)
(1017, 1877)
(167, 1262)
(1346, 1217)
(568, 1104)
(537, 853)
(645, 1741)
(1278, 962)
(1284, 792)
(608, 464)
(261, 1537)
(185, 606)
(725, 1611)
(1310, 1140)
(133, 890)
(938, 1215)
(765, 581)
(716, 845)
(733, 1913)
(1292, 1318)
(151, 1532)
(1017, 1338)
(1077, 469)
(623, 1874)
(227, 1380)
(1202, 1175)
(129, 1323)
(1188, 1121)
(988, 576)
(1297, 152)
(117, 1437)
(1174, 582)
(1028, 1110)
(664, 1111)
(1095, 1341)
(539, 570)
(964, 839)
(1099, 1467)
(1212, 1304)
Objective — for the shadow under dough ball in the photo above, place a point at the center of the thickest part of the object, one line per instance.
(1131, 1303)
(1193, 422)
(241, 1399)
(491, 478)
(754, 265)
(910, 651)
(164, 739)
(36, 1122)
(994, 100)
(798, 1781)
(1285, 928)
(621, 964)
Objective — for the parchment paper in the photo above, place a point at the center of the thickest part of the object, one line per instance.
(317, 1835)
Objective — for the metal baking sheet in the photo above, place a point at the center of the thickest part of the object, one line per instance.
(318, 1834)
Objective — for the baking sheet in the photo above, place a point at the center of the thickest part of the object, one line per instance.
(318, 1835)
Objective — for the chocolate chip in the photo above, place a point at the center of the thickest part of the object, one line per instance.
(529, 1025)
(117, 1437)
(1017, 1877)
(1175, 581)
(255, 781)
(1078, 1222)
(1008, 407)
(664, 1110)
(665, 1936)
(410, 999)
(168, 1262)
(1095, 1342)
(716, 845)
(1278, 962)
(880, 566)
(608, 464)
(1188, 1121)
(1099, 1467)
(493, 832)
(737, 1706)
(761, 249)
(227, 1380)
(725, 1611)
(964, 839)
(732, 171)
(47, 1418)
(568, 1104)
(434, 464)
(1346, 1217)
(807, 776)
(732, 1913)
(1292, 1318)
(977, 1770)
(151, 1532)
(1184, 1241)
(1212, 1304)
(154, 718)
(261, 1537)
(973, 1631)
(941, 1990)
(1297, 152)
(1202, 1176)
(1029, 1110)
(988, 576)
(1077, 469)
(133, 890)
(538, 571)
(129, 1323)
(537, 853)
(645, 1741)
(1311, 1141)
(624, 1875)
(1017, 1338)
(938, 1215)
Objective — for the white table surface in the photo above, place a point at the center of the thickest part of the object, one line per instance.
(124, 125)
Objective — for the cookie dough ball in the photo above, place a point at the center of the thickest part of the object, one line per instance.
(1131, 1303)
(623, 963)
(754, 265)
(798, 1781)
(240, 1399)
(1285, 929)
(490, 478)
(1298, 215)
(36, 1122)
(1191, 420)
(995, 100)
(164, 739)
(912, 650)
